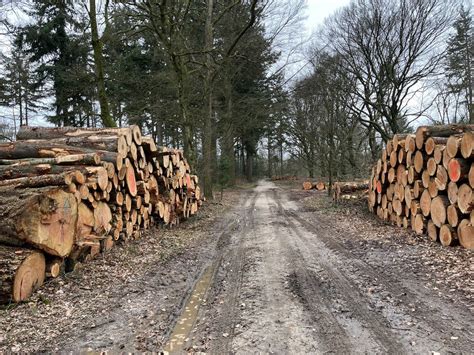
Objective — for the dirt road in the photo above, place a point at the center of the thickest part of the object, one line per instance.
(286, 281)
(269, 269)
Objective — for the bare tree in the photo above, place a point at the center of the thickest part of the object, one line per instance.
(389, 47)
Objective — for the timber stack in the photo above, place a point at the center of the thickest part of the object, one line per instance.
(425, 181)
(319, 186)
(348, 190)
(69, 194)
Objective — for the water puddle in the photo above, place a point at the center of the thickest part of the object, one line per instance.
(184, 325)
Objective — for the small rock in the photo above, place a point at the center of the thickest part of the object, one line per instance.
(454, 338)
(225, 335)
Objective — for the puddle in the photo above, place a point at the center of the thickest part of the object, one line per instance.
(181, 331)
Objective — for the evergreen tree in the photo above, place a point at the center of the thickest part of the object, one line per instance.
(61, 55)
(21, 87)
(460, 60)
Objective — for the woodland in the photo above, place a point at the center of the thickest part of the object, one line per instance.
(217, 79)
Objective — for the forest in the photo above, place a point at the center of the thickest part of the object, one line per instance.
(217, 79)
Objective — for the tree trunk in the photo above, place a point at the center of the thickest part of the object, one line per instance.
(207, 130)
(97, 45)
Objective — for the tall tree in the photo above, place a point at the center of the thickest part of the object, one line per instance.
(460, 61)
(97, 46)
(59, 52)
(389, 47)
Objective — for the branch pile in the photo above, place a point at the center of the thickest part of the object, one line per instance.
(69, 194)
(425, 182)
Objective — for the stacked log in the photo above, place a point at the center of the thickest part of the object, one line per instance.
(348, 189)
(319, 186)
(425, 181)
(69, 194)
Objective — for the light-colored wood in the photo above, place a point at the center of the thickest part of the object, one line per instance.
(465, 198)
(22, 271)
(432, 231)
(453, 146)
(447, 235)
(467, 145)
(438, 207)
(45, 218)
(453, 215)
(465, 232)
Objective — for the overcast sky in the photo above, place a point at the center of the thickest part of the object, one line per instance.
(318, 10)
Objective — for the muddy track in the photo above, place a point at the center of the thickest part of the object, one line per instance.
(288, 281)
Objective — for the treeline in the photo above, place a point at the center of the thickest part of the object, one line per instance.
(194, 74)
(377, 68)
(202, 76)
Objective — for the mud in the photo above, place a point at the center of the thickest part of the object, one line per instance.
(295, 281)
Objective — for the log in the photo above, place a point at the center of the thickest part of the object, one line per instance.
(419, 161)
(117, 144)
(36, 181)
(82, 159)
(423, 132)
(44, 218)
(465, 198)
(130, 181)
(453, 215)
(418, 188)
(441, 178)
(447, 235)
(41, 149)
(453, 192)
(320, 186)
(467, 145)
(431, 166)
(458, 169)
(438, 153)
(85, 222)
(465, 233)
(453, 146)
(307, 185)
(431, 143)
(9, 172)
(47, 133)
(53, 267)
(471, 175)
(433, 188)
(432, 231)
(102, 218)
(425, 203)
(420, 224)
(410, 144)
(438, 210)
(22, 271)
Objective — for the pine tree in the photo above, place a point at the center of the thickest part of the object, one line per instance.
(62, 56)
(21, 85)
(460, 60)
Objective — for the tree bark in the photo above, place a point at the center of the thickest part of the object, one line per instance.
(97, 45)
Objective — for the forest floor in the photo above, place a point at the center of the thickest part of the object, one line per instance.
(269, 268)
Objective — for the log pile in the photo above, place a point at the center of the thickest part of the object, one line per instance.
(69, 194)
(349, 190)
(308, 185)
(425, 181)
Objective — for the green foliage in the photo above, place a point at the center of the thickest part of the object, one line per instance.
(460, 60)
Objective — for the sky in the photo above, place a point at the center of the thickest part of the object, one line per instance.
(294, 48)
(318, 10)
